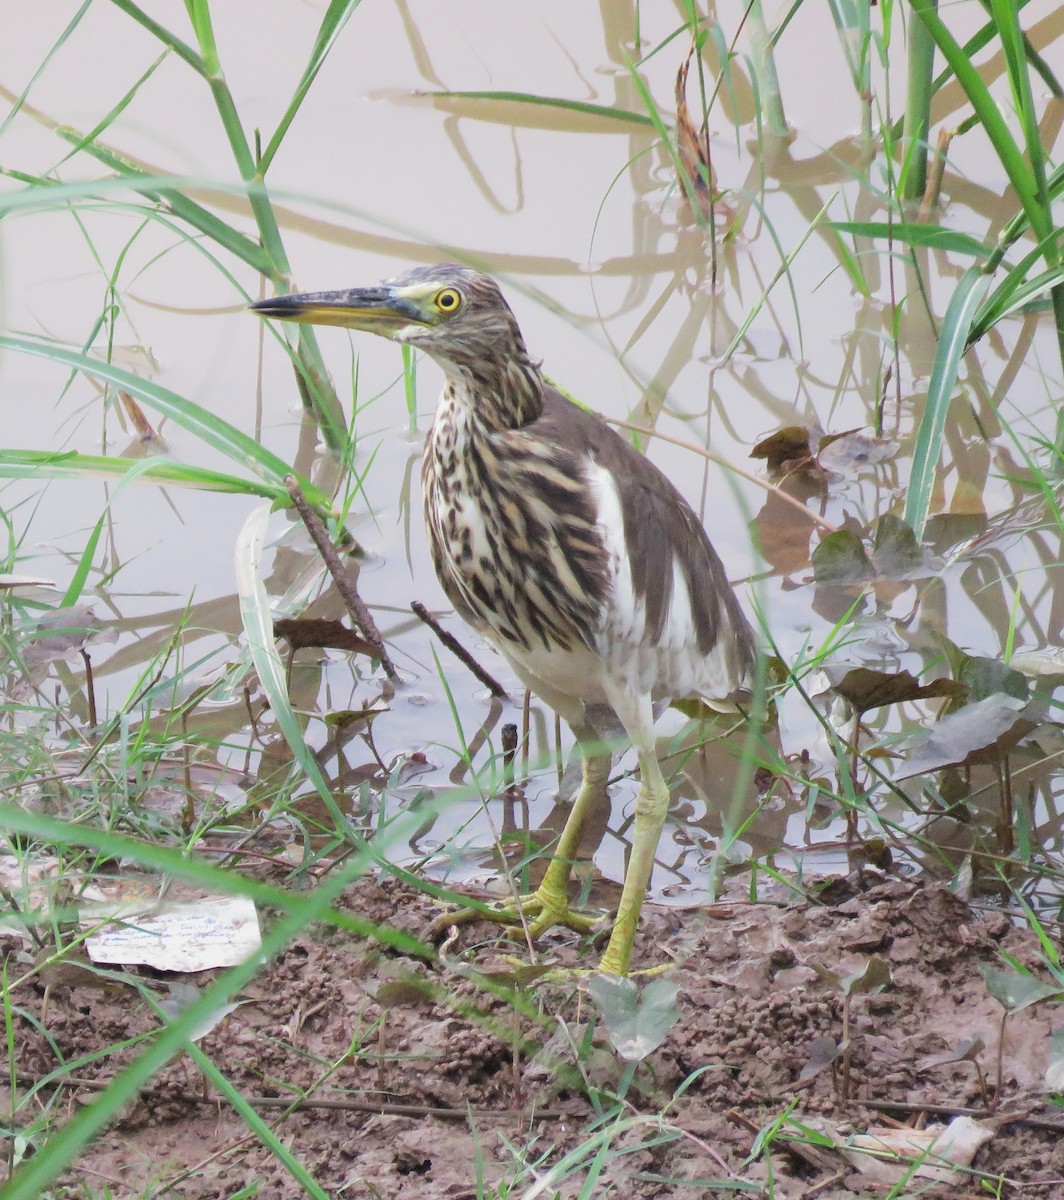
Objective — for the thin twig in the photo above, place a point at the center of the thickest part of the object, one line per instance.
(749, 476)
(354, 603)
(457, 649)
(264, 1103)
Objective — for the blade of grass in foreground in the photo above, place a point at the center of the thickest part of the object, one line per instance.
(952, 341)
(165, 472)
(59, 1151)
(215, 431)
(258, 626)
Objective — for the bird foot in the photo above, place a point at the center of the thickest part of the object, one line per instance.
(533, 913)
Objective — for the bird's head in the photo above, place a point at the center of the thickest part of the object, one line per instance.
(454, 314)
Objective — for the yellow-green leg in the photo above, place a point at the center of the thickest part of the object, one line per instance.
(548, 905)
(651, 807)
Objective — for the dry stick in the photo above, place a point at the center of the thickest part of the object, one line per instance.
(90, 688)
(457, 649)
(264, 1103)
(357, 609)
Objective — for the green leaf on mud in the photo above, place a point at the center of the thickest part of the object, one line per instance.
(1055, 1067)
(1013, 990)
(636, 1024)
(872, 977)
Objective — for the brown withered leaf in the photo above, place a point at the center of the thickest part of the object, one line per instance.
(144, 429)
(866, 689)
(316, 631)
(700, 185)
(790, 447)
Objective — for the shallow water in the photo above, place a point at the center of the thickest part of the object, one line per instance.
(631, 305)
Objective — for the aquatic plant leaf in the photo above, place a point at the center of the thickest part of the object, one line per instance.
(985, 676)
(790, 446)
(636, 1024)
(1014, 990)
(840, 558)
(317, 631)
(979, 732)
(897, 553)
(61, 633)
(866, 689)
(846, 452)
(1047, 663)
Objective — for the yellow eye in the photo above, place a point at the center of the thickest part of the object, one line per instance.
(448, 301)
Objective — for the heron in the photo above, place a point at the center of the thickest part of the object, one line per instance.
(565, 547)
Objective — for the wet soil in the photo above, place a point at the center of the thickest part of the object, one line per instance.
(443, 1088)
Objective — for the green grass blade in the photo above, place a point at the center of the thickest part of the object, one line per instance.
(336, 17)
(258, 627)
(174, 43)
(53, 50)
(951, 346)
(1002, 303)
(207, 426)
(912, 233)
(164, 472)
(1020, 174)
(37, 1173)
(175, 201)
(255, 1123)
(116, 111)
(605, 112)
(1006, 21)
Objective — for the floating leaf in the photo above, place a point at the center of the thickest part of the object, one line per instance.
(898, 555)
(1047, 663)
(840, 558)
(844, 453)
(980, 732)
(315, 631)
(1014, 990)
(636, 1024)
(985, 676)
(788, 447)
(866, 689)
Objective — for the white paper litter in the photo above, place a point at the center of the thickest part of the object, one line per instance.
(177, 935)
